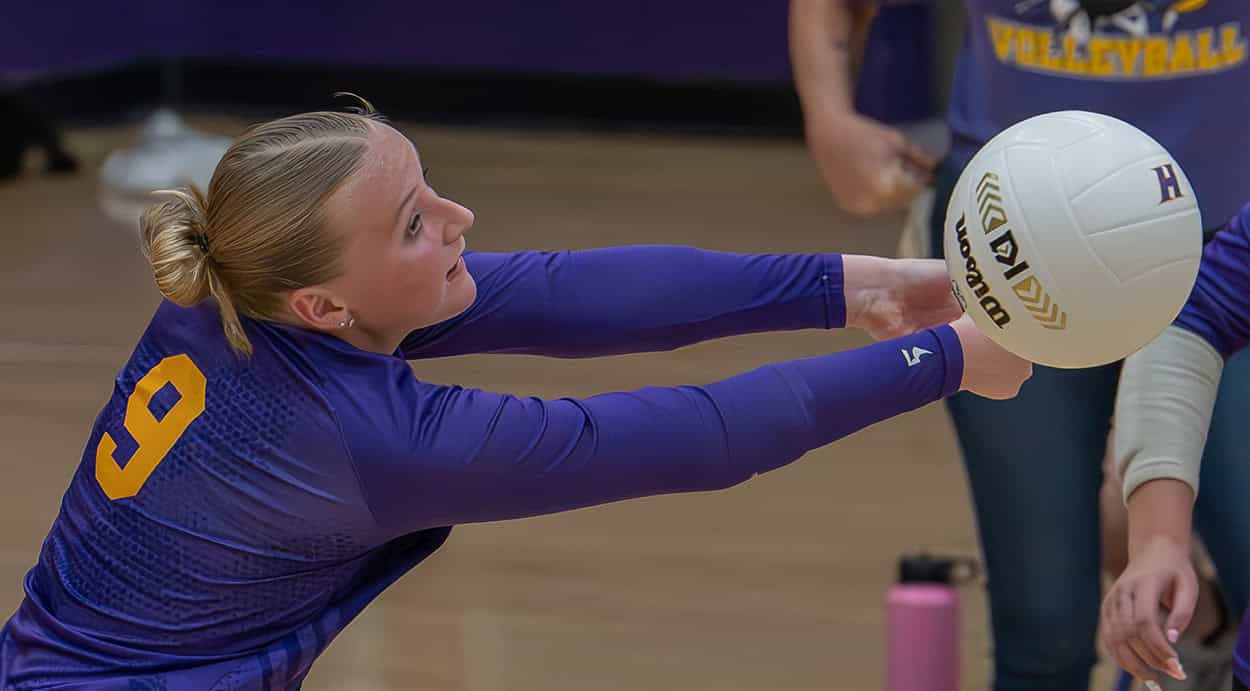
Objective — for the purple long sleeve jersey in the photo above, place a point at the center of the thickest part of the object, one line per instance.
(229, 517)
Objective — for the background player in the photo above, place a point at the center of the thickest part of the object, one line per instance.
(1178, 71)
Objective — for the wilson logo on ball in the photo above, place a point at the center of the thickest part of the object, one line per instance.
(1006, 252)
(976, 280)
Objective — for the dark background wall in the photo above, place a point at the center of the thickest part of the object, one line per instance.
(696, 62)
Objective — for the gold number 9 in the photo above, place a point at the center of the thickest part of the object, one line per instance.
(154, 437)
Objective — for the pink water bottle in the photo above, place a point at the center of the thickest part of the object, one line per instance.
(922, 625)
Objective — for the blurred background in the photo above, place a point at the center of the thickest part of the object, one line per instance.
(562, 125)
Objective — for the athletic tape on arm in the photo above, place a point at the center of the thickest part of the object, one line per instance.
(1163, 409)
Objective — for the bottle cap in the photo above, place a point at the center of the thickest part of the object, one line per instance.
(924, 568)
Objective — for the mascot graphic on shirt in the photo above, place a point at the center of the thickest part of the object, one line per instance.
(1083, 17)
(1118, 39)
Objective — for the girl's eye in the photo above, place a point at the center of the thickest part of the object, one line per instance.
(415, 226)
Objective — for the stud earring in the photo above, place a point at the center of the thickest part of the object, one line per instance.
(347, 323)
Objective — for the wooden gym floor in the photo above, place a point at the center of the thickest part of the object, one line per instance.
(775, 584)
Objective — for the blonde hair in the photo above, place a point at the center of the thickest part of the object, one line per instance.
(262, 227)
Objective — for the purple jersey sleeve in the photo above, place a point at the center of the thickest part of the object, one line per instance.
(633, 299)
(1218, 308)
(432, 455)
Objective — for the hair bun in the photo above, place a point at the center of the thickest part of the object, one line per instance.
(176, 244)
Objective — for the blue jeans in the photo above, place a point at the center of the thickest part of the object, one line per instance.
(1035, 468)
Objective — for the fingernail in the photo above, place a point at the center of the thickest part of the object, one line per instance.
(1153, 686)
(1174, 635)
(1175, 669)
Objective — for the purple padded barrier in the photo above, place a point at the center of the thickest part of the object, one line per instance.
(737, 40)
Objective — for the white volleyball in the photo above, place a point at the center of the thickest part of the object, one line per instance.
(1073, 239)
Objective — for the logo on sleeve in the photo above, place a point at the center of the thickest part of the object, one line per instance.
(913, 357)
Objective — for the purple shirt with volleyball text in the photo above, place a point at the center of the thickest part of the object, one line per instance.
(1177, 70)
